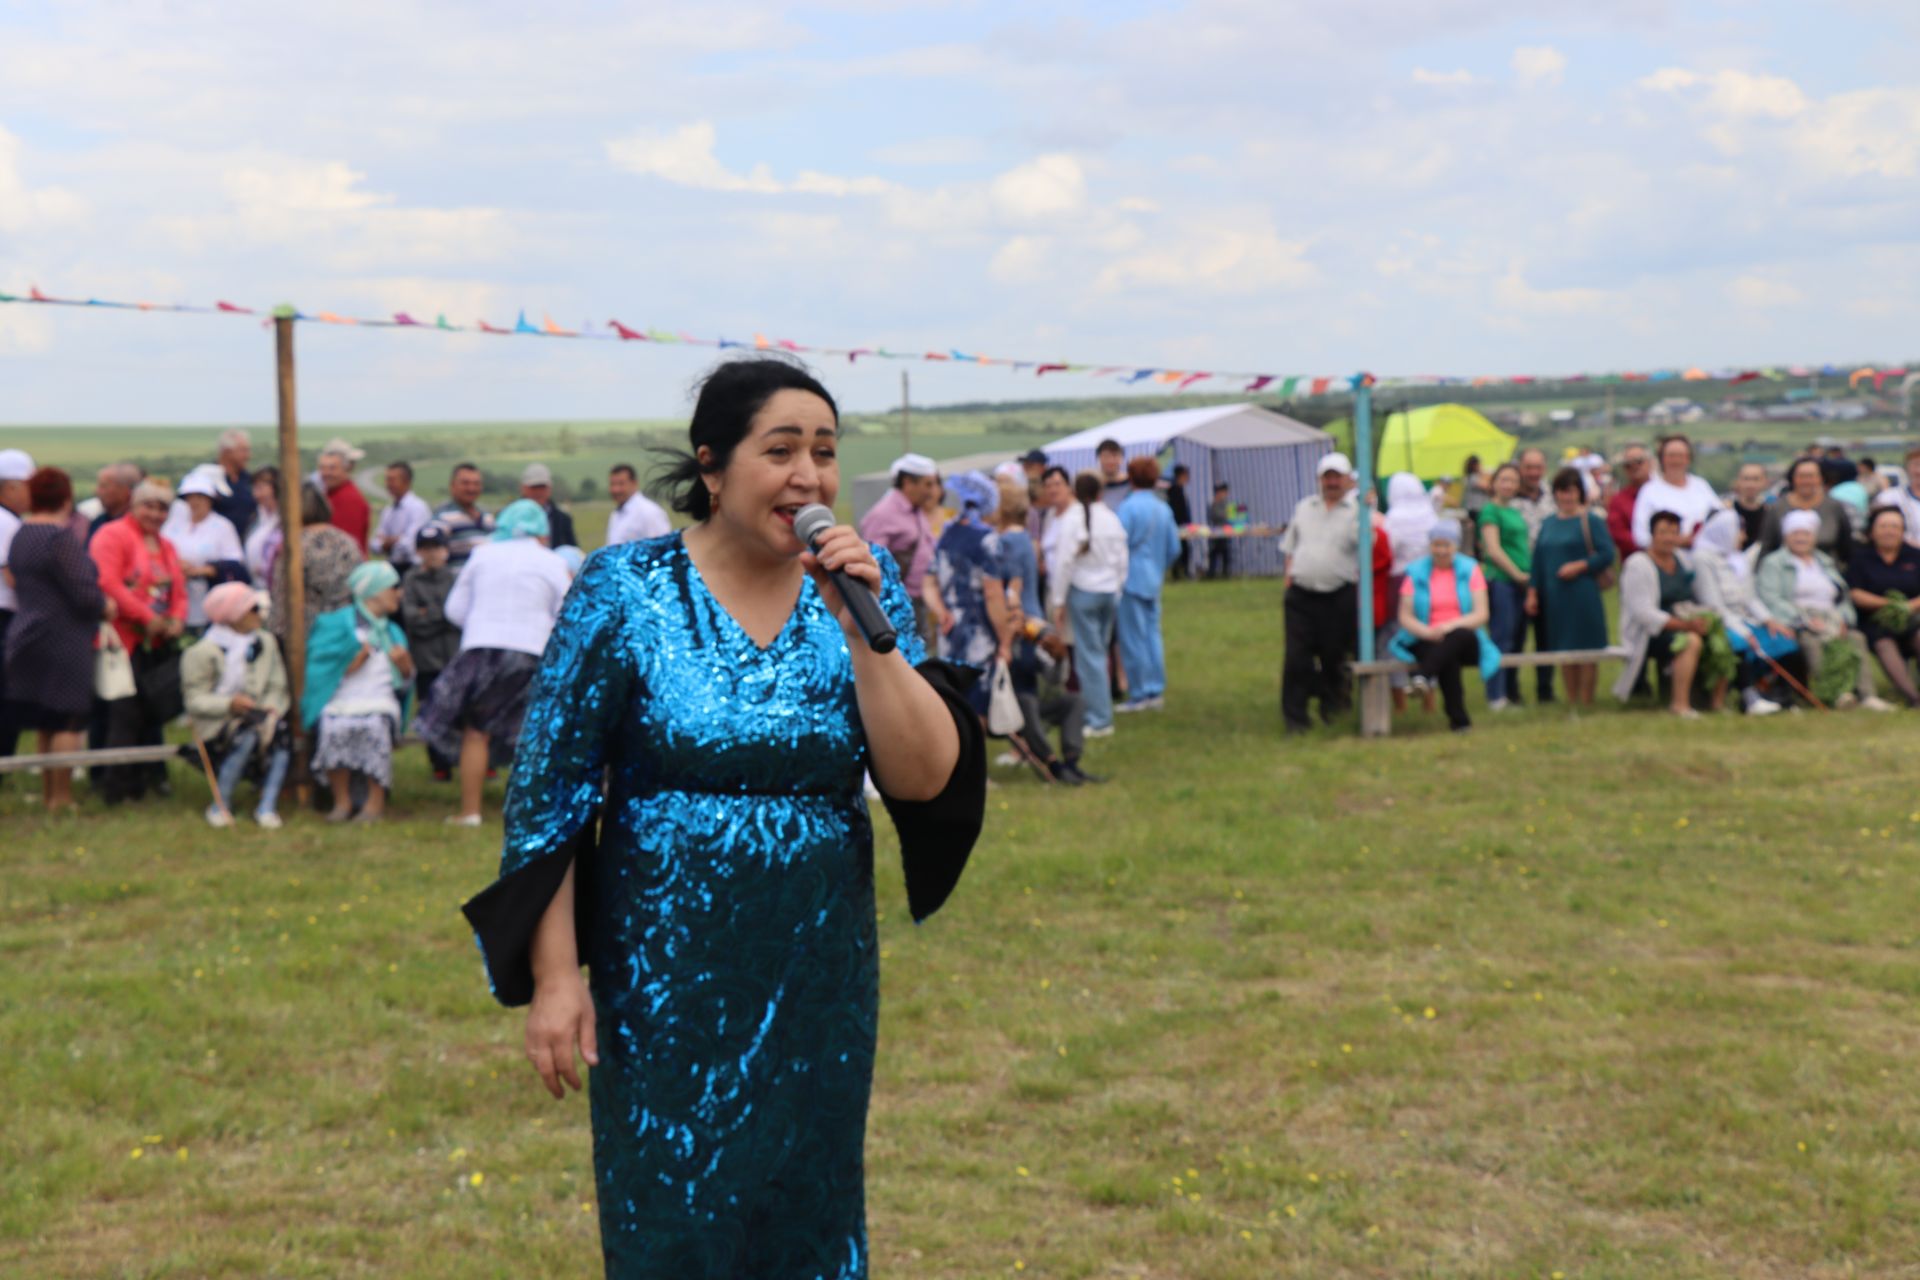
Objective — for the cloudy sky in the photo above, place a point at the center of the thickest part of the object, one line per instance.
(1440, 186)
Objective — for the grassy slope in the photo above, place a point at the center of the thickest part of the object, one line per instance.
(1176, 1026)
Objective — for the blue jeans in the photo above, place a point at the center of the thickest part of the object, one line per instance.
(1141, 651)
(1508, 603)
(245, 743)
(1091, 615)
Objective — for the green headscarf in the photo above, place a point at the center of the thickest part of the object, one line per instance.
(523, 518)
(369, 580)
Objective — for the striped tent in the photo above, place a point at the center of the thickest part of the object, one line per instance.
(1265, 458)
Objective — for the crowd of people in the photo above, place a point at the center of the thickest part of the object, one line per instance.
(1788, 590)
(149, 602)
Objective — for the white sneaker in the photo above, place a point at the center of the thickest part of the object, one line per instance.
(1762, 707)
(1499, 704)
(219, 819)
(1874, 702)
(1125, 708)
(268, 821)
(1005, 760)
(1105, 731)
(1846, 701)
(465, 820)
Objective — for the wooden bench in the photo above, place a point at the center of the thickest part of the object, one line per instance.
(1376, 690)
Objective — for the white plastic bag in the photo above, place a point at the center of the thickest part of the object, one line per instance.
(1004, 717)
(112, 667)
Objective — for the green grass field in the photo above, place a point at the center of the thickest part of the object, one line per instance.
(1613, 996)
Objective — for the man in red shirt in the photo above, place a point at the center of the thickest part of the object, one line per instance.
(351, 514)
(1636, 464)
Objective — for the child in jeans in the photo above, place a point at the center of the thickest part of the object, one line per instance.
(237, 696)
(431, 638)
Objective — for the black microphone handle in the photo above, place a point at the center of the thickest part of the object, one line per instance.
(867, 613)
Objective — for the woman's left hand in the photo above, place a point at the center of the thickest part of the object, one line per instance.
(1572, 569)
(842, 550)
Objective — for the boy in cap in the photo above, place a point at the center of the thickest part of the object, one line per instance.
(431, 638)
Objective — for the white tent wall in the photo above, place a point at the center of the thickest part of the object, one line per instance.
(1268, 479)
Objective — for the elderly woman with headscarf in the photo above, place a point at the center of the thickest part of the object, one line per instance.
(1410, 517)
(1724, 583)
(237, 695)
(969, 575)
(1443, 619)
(1801, 586)
(327, 557)
(208, 545)
(505, 603)
(359, 681)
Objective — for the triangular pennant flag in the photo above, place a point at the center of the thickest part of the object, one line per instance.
(521, 325)
(854, 355)
(33, 292)
(404, 320)
(487, 328)
(658, 336)
(788, 345)
(549, 327)
(1319, 386)
(228, 306)
(1049, 368)
(626, 334)
(327, 317)
(728, 344)
(440, 322)
(1259, 383)
(760, 342)
(1190, 379)
(935, 355)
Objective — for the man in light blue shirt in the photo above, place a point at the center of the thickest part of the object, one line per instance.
(1153, 544)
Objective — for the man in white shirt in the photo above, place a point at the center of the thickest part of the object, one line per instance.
(1906, 497)
(1322, 596)
(16, 468)
(635, 515)
(403, 519)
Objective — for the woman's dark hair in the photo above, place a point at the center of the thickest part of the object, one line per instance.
(724, 407)
(1661, 451)
(1663, 517)
(1471, 467)
(1568, 478)
(1087, 487)
(314, 507)
(1505, 466)
(271, 476)
(1871, 520)
(48, 490)
(1794, 467)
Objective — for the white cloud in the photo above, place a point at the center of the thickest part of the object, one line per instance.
(23, 208)
(1762, 293)
(1860, 133)
(1539, 64)
(1021, 260)
(686, 158)
(1213, 259)
(1513, 293)
(1049, 186)
(1455, 79)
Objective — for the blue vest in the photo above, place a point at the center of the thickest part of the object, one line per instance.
(1420, 574)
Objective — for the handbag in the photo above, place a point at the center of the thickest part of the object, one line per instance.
(1605, 576)
(112, 668)
(158, 680)
(1004, 717)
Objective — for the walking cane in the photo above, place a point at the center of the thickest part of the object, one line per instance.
(213, 783)
(1782, 672)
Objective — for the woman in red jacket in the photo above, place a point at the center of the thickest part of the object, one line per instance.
(140, 573)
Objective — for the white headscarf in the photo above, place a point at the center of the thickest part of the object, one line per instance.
(1796, 521)
(1721, 536)
(1409, 518)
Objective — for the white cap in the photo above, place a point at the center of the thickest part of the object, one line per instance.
(536, 475)
(1334, 462)
(914, 464)
(1011, 471)
(15, 465)
(208, 480)
(345, 450)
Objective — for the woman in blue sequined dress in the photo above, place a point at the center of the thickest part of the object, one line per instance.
(685, 818)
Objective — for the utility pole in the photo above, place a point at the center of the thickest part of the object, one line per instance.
(290, 486)
(906, 415)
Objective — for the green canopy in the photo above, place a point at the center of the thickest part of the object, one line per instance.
(1431, 442)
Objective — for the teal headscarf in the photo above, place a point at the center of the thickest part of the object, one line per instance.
(523, 518)
(369, 580)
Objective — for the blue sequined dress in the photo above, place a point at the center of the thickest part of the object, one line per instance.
(725, 910)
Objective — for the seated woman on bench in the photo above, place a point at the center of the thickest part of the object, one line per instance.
(1443, 619)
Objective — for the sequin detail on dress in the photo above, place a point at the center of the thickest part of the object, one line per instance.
(727, 916)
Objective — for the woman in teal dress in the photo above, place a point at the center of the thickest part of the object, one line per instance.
(707, 704)
(1569, 557)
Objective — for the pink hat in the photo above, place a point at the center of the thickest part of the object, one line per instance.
(229, 602)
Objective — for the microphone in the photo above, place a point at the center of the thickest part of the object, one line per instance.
(810, 523)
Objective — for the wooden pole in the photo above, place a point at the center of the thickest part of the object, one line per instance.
(1363, 468)
(295, 605)
(906, 431)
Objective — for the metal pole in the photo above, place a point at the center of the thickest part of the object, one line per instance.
(906, 413)
(295, 605)
(1363, 469)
